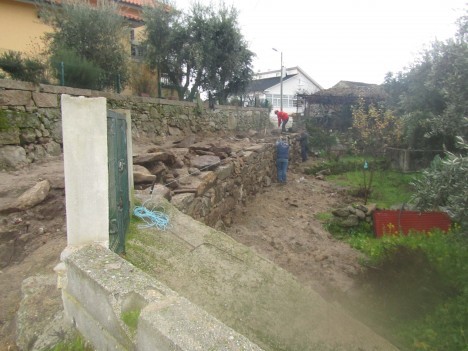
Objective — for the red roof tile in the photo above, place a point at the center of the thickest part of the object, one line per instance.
(139, 2)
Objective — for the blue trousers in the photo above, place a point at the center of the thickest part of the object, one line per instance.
(282, 168)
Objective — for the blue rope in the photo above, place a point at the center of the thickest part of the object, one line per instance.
(151, 218)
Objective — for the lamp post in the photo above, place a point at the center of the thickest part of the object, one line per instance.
(281, 79)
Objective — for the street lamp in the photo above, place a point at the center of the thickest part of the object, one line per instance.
(281, 79)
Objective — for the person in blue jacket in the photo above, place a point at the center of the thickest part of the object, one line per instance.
(282, 158)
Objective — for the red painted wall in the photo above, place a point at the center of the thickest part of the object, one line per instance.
(388, 222)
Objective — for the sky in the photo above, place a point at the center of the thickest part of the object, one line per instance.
(333, 40)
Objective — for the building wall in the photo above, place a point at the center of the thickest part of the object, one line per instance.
(20, 27)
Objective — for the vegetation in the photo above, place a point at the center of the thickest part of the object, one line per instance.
(130, 318)
(430, 97)
(20, 68)
(374, 128)
(203, 49)
(74, 71)
(415, 287)
(101, 44)
(77, 343)
(444, 186)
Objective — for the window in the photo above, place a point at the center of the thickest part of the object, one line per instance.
(275, 99)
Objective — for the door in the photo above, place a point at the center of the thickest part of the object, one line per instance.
(119, 204)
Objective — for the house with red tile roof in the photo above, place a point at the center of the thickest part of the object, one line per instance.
(22, 28)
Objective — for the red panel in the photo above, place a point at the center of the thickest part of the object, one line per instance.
(387, 222)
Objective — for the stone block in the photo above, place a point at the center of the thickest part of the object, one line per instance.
(10, 137)
(45, 99)
(15, 98)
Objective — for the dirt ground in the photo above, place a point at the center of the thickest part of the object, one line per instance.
(279, 224)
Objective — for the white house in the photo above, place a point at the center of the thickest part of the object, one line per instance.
(267, 86)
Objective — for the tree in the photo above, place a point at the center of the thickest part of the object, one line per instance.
(432, 95)
(96, 33)
(374, 128)
(203, 49)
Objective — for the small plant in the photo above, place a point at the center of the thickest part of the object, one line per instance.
(130, 318)
(77, 343)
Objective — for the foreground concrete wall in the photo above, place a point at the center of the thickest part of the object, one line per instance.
(100, 288)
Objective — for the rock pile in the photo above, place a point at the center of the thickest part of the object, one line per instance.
(208, 181)
(352, 215)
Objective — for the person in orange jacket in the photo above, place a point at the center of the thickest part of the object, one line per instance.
(283, 118)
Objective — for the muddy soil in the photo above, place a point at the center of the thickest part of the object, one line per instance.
(280, 224)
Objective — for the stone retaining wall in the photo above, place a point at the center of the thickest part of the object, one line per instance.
(31, 130)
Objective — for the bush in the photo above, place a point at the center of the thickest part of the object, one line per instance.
(77, 72)
(143, 82)
(444, 186)
(19, 68)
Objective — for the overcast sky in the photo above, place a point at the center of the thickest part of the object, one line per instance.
(333, 40)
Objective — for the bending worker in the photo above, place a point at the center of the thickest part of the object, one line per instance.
(283, 118)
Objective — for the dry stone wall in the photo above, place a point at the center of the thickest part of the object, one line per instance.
(31, 130)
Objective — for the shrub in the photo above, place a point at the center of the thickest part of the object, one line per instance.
(444, 186)
(19, 68)
(77, 72)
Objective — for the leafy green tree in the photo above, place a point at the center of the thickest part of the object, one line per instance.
(96, 33)
(432, 95)
(169, 45)
(201, 50)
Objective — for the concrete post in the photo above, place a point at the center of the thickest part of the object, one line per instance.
(84, 125)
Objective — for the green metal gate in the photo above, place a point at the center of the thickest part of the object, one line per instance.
(119, 204)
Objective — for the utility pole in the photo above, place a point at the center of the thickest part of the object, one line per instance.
(281, 79)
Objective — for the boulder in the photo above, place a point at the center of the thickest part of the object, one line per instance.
(142, 175)
(340, 212)
(350, 221)
(205, 162)
(33, 196)
(12, 157)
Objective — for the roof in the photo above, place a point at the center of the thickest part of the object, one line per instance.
(260, 85)
(139, 2)
(298, 69)
(347, 92)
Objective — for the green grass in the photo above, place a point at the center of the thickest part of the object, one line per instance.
(388, 187)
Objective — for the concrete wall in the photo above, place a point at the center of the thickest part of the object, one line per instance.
(166, 321)
(31, 130)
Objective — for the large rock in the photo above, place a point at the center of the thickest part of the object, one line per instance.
(12, 157)
(141, 175)
(205, 162)
(208, 179)
(154, 157)
(10, 136)
(33, 196)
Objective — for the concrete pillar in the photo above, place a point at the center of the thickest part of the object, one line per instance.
(84, 125)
